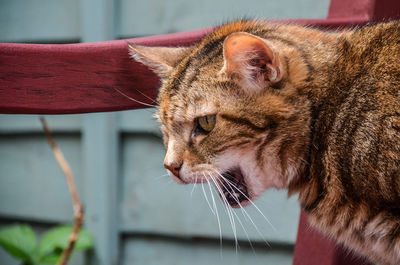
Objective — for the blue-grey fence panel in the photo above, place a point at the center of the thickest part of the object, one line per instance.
(140, 18)
(100, 148)
(32, 186)
(39, 20)
(156, 251)
(17, 124)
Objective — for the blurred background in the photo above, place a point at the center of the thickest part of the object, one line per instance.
(135, 212)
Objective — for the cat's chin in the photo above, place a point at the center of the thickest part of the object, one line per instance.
(233, 188)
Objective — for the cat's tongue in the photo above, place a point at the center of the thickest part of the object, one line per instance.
(234, 188)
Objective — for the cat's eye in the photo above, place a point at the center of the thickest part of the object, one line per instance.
(206, 123)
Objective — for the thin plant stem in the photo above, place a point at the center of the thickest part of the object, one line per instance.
(77, 206)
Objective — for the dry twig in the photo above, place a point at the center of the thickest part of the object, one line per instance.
(78, 209)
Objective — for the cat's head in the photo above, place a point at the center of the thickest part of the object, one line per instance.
(231, 113)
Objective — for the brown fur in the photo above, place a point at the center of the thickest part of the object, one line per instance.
(328, 127)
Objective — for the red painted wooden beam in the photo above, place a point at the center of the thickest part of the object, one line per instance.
(80, 78)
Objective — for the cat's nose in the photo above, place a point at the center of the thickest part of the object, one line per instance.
(174, 168)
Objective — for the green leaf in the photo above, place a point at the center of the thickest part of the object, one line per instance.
(55, 241)
(19, 241)
(50, 259)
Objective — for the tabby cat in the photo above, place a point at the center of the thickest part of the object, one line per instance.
(256, 105)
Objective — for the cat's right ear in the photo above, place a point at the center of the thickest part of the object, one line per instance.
(160, 60)
(253, 61)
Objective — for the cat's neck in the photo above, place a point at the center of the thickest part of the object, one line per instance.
(323, 54)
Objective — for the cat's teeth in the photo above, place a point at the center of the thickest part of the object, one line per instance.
(237, 195)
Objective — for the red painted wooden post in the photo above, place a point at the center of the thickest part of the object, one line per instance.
(369, 10)
(313, 248)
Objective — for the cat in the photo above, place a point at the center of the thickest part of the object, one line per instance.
(256, 105)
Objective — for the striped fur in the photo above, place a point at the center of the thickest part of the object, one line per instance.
(328, 130)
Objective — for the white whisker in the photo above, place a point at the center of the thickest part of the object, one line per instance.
(217, 214)
(146, 96)
(205, 195)
(170, 182)
(194, 186)
(228, 211)
(162, 176)
(244, 212)
(134, 100)
(258, 209)
(240, 221)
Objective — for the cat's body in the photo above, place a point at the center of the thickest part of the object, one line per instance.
(258, 105)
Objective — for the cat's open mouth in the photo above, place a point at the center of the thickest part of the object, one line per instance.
(234, 188)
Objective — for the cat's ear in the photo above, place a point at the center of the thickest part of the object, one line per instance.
(252, 60)
(160, 60)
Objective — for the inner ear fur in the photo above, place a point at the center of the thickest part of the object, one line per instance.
(252, 60)
(160, 60)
